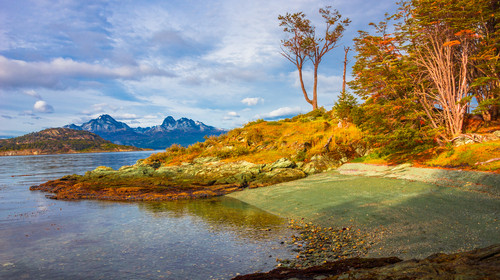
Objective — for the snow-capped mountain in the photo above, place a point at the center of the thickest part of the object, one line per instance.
(103, 124)
(183, 131)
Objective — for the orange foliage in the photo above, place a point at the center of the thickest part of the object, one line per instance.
(451, 43)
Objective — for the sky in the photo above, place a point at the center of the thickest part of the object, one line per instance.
(217, 61)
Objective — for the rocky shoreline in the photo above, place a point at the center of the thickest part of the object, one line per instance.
(202, 178)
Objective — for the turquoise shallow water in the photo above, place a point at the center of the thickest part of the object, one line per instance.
(50, 239)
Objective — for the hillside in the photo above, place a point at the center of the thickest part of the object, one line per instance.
(318, 141)
(313, 137)
(59, 141)
(183, 131)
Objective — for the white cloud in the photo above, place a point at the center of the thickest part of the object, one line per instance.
(33, 94)
(233, 114)
(100, 108)
(252, 101)
(281, 112)
(42, 107)
(326, 84)
(329, 86)
(151, 117)
(125, 116)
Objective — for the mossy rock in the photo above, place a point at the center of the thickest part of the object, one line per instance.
(281, 163)
(240, 179)
(279, 175)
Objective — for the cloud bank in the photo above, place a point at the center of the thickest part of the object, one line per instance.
(18, 73)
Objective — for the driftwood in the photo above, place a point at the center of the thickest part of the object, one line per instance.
(488, 161)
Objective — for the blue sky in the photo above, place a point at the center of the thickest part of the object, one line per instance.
(219, 62)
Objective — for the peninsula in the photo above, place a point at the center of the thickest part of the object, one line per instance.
(59, 141)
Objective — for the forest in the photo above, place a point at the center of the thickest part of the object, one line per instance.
(426, 73)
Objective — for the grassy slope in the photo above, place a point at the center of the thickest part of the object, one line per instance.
(473, 156)
(258, 142)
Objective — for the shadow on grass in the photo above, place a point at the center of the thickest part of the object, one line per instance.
(406, 219)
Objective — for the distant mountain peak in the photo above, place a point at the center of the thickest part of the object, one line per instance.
(168, 121)
(183, 131)
(106, 117)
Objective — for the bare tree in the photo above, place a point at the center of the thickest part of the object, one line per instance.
(444, 60)
(346, 51)
(303, 43)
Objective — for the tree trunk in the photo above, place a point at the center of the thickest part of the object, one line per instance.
(304, 88)
(315, 87)
(346, 50)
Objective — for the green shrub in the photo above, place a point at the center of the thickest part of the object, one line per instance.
(345, 107)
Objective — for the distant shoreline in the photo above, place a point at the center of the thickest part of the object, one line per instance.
(36, 153)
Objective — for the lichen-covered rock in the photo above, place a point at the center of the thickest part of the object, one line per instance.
(201, 160)
(279, 175)
(320, 163)
(462, 140)
(281, 163)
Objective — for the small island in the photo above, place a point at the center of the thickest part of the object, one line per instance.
(59, 141)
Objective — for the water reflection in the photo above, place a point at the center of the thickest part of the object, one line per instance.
(221, 214)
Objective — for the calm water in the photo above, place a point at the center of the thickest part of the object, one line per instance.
(49, 239)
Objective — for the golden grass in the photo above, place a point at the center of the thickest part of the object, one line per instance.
(261, 141)
(473, 156)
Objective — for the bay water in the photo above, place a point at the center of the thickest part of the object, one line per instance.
(42, 238)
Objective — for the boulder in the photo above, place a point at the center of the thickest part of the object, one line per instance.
(281, 163)
(462, 140)
(320, 163)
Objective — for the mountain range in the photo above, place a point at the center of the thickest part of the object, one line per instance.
(183, 131)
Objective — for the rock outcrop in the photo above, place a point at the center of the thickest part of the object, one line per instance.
(477, 264)
(204, 177)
